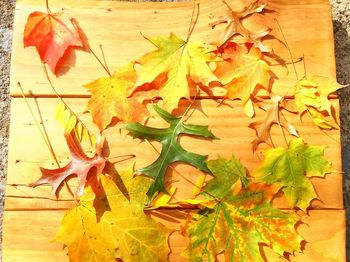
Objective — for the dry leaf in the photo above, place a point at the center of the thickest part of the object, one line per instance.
(311, 96)
(243, 73)
(273, 116)
(233, 20)
(52, 35)
(80, 165)
(113, 97)
(177, 60)
(122, 232)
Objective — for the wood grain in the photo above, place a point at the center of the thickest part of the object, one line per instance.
(28, 233)
(33, 215)
(118, 32)
(227, 122)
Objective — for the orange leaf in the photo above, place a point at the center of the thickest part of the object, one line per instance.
(113, 97)
(243, 72)
(51, 34)
(80, 165)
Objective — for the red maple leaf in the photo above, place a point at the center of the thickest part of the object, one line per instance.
(51, 34)
(80, 165)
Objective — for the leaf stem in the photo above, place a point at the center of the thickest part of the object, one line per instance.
(100, 62)
(60, 98)
(193, 21)
(288, 48)
(42, 133)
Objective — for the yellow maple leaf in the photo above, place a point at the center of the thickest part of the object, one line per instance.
(113, 97)
(179, 62)
(243, 72)
(122, 231)
(311, 96)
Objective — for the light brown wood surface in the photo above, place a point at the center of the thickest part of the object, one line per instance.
(118, 31)
(32, 215)
(28, 234)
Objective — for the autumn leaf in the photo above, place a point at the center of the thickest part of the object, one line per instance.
(239, 222)
(234, 26)
(227, 173)
(291, 169)
(172, 151)
(113, 97)
(273, 116)
(123, 231)
(179, 61)
(52, 34)
(243, 73)
(311, 96)
(71, 123)
(80, 166)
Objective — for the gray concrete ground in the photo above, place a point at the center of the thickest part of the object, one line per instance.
(341, 22)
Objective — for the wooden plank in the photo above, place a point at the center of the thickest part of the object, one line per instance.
(117, 31)
(324, 232)
(28, 151)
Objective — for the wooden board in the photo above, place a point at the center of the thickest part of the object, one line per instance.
(323, 231)
(228, 122)
(122, 42)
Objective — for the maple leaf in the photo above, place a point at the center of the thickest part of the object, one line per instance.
(291, 169)
(80, 166)
(178, 60)
(172, 151)
(239, 222)
(272, 116)
(123, 232)
(52, 34)
(311, 95)
(113, 97)
(234, 26)
(243, 73)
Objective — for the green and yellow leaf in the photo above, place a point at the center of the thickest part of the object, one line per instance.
(291, 169)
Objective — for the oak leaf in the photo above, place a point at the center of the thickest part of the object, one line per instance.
(123, 231)
(113, 97)
(80, 166)
(273, 116)
(234, 26)
(291, 169)
(52, 34)
(311, 96)
(239, 222)
(172, 151)
(180, 62)
(243, 73)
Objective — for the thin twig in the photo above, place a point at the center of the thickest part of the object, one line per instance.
(193, 21)
(290, 53)
(43, 135)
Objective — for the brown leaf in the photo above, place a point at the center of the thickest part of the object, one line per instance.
(272, 116)
(234, 26)
(80, 166)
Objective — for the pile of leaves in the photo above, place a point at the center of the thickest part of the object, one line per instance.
(231, 214)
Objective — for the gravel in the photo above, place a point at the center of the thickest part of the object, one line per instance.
(341, 22)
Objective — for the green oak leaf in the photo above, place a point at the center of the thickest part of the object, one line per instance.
(238, 223)
(291, 168)
(171, 149)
